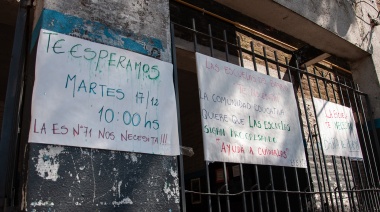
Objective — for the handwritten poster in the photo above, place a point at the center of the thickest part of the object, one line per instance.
(91, 95)
(337, 128)
(248, 117)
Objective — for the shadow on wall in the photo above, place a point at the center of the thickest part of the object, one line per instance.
(335, 15)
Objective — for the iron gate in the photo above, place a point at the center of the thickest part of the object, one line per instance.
(329, 183)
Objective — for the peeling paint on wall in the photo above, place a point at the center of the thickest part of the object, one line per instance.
(48, 164)
(42, 203)
(122, 202)
(100, 33)
(133, 157)
(101, 179)
(172, 190)
(174, 173)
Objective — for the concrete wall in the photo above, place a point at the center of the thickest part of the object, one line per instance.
(341, 17)
(62, 178)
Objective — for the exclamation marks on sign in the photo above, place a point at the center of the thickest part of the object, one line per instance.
(164, 139)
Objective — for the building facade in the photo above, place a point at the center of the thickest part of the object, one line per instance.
(325, 50)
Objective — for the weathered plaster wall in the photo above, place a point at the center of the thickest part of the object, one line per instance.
(80, 179)
(283, 16)
(140, 26)
(344, 18)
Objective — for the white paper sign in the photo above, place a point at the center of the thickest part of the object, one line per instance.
(248, 117)
(337, 128)
(91, 95)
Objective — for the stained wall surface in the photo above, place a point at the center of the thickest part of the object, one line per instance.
(63, 178)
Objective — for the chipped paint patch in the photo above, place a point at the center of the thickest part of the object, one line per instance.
(174, 173)
(118, 187)
(48, 163)
(41, 203)
(125, 201)
(172, 191)
(77, 177)
(133, 157)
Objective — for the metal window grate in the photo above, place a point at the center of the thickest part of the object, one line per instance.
(328, 184)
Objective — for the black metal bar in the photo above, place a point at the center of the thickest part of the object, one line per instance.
(195, 36)
(208, 187)
(220, 189)
(373, 196)
(9, 142)
(286, 188)
(240, 52)
(226, 44)
(319, 136)
(266, 196)
(351, 191)
(357, 164)
(376, 138)
(243, 187)
(240, 165)
(376, 142)
(270, 167)
(226, 185)
(283, 169)
(366, 207)
(310, 138)
(272, 185)
(206, 162)
(224, 164)
(266, 60)
(252, 202)
(255, 166)
(253, 56)
(258, 187)
(336, 199)
(319, 152)
(298, 189)
(341, 158)
(370, 196)
(346, 179)
(211, 41)
(308, 171)
(303, 135)
(180, 157)
(334, 158)
(207, 170)
(305, 197)
(277, 65)
(350, 162)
